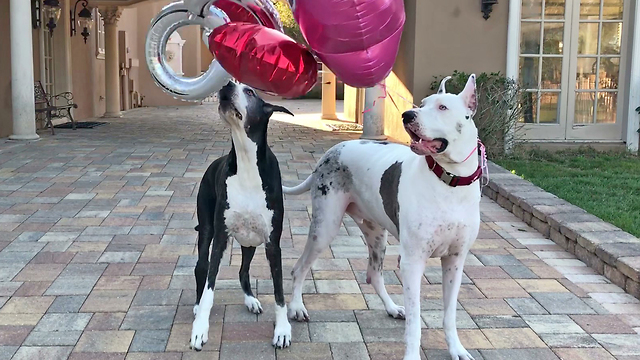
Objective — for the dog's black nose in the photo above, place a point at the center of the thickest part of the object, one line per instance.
(230, 85)
(408, 117)
(225, 93)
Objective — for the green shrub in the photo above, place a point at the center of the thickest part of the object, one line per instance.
(500, 101)
(289, 24)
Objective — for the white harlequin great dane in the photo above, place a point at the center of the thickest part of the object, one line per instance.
(426, 195)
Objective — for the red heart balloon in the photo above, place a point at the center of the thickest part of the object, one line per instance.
(264, 58)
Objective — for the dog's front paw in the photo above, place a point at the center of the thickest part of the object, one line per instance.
(253, 304)
(460, 353)
(396, 312)
(298, 312)
(199, 333)
(282, 335)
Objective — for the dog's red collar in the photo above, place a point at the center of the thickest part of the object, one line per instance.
(451, 179)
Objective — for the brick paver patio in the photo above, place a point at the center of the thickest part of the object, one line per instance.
(98, 249)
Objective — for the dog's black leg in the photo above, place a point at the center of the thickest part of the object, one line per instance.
(249, 300)
(205, 235)
(206, 215)
(200, 329)
(275, 262)
(282, 332)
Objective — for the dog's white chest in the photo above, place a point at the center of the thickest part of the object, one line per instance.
(248, 219)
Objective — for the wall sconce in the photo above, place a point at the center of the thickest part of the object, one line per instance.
(486, 6)
(51, 10)
(85, 20)
(36, 9)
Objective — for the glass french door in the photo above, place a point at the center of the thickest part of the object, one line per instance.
(571, 60)
(596, 67)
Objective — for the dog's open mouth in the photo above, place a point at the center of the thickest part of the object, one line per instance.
(427, 146)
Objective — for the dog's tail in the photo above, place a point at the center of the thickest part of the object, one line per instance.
(297, 190)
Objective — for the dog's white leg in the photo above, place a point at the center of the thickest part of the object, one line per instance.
(376, 238)
(200, 329)
(328, 211)
(452, 266)
(412, 267)
(282, 331)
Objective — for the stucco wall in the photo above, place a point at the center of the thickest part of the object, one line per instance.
(438, 38)
(206, 57)
(452, 35)
(87, 77)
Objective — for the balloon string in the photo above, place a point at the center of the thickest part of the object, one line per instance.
(388, 92)
(384, 88)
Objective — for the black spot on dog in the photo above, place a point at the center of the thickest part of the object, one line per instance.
(459, 128)
(374, 257)
(334, 175)
(369, 225)
(363, 142)
(467, 117)
(315, 238)
(323, 188)
(389, 184)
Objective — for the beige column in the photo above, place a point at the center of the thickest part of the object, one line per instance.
(111, 14)
(328, 94)
(373, 119)
(22, 98)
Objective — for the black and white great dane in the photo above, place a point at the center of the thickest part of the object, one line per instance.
(425, 195)
(240, 197)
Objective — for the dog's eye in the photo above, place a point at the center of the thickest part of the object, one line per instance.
(250, 92)
(238, 115)
(442, 108)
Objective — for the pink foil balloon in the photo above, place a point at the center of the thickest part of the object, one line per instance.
(357, 39)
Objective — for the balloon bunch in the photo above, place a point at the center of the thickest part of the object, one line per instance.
(357, 39)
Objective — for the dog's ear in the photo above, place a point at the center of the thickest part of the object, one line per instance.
(468, 94)
(270, 109)
(442, 89)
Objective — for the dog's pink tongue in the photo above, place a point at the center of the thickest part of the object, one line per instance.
(427, 146)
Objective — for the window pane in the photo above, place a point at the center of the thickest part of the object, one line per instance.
(529, 108)
(530, 39)
(611, 38)
(588, 39)
(554, 9)
(589, 9)
(549, 108)
(531, 9)
(586, 73)
(529, 72)
(607, 107)
(584, 107)
(609, 70)
(612, 9)
(551, 73)
(552, 38)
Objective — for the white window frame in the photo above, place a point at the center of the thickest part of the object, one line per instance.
(99, 34)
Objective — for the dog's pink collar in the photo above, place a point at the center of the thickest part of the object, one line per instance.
(455, 180)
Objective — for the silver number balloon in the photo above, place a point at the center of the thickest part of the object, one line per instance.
(170, 18)
(208, 16)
